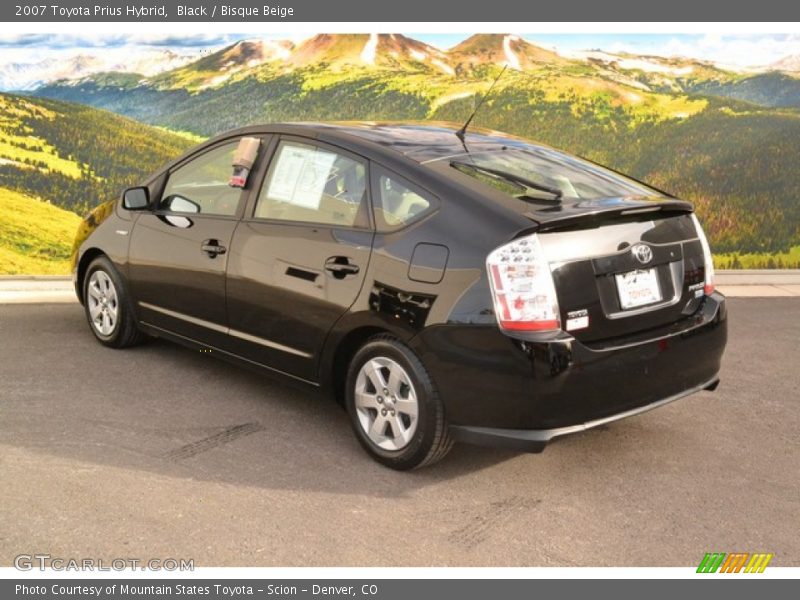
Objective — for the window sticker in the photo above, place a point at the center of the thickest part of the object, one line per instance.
(300, 176)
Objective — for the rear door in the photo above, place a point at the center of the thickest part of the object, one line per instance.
(298, 258)
(179, 252)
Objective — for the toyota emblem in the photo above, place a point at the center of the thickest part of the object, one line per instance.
(644, 254)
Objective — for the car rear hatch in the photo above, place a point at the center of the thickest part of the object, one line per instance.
(622, 267)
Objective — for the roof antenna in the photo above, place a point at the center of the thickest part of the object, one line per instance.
(461, 132)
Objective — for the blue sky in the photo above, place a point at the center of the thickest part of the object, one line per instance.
(735, 50)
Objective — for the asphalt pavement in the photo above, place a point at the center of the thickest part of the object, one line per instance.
(162, 452)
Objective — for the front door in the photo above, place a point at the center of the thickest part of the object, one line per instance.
(297, 263)
(179, 252)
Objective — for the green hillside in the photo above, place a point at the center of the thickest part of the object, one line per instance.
(57, 161)
(35, 237)
(766, 89)
(74, 156)
(680, 124)
(739, 167)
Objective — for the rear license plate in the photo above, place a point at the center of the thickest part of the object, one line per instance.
(638, 288)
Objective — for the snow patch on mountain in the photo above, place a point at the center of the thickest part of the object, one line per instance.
(370, 49)
(512, 60)
(278, 48)
(790, 64)
(443, 66)
(27, 74)
(630, 63)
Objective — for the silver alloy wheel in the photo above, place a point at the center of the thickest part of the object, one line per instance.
(386, 403)
(103, 303)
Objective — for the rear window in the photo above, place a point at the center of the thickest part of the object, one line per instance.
(553, 174)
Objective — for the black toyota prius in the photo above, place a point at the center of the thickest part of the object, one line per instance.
(443, 286)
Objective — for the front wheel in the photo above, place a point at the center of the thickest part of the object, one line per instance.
(108, 307)
(394, 407)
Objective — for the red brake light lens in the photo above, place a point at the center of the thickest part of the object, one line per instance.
(708, 285)
(522, 287)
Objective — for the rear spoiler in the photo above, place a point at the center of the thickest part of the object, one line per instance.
(591, 212)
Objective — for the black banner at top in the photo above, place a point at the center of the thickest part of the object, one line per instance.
(444, 11)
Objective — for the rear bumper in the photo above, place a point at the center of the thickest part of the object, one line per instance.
(535, 440)
(510, 392)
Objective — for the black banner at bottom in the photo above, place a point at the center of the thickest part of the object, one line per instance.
(391, 589)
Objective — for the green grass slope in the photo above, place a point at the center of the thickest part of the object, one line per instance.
(75, 156)
(767, 89)
(35, 237)
(57, 161)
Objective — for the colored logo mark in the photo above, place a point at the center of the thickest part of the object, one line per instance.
(737, 562)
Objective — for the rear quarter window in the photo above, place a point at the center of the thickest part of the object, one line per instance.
(397, 202)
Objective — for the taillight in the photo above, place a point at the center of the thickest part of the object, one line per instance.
(708, 285)
(522, 287)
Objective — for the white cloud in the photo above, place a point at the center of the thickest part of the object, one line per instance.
(739, 51)
(42, 41)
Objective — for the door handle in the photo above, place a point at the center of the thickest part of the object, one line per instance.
(340, 266)
(213, 248)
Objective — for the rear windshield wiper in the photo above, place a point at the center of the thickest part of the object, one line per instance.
(518, 180)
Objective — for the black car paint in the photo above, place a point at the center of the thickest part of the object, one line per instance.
(426, 284)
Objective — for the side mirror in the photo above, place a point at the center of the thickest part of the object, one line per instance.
(136, 198)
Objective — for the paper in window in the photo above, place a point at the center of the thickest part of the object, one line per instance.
(300, 176)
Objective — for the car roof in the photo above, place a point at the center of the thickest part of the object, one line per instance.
(406, 145)
(420, 142)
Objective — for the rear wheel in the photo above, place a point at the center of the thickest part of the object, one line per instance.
(107, 306)
(394, 407)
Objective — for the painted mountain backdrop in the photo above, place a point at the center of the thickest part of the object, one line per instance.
(58, 160)
(727, 140)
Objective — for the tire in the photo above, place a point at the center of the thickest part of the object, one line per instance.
(108, 308)
(386, 384)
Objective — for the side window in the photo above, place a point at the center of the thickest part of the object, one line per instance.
(311, 184)
(201, 185)
(396, 204)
